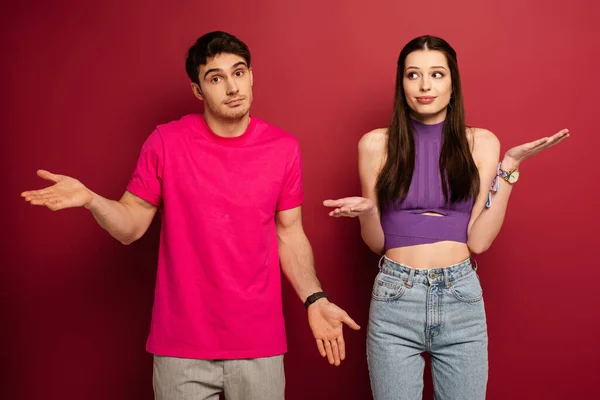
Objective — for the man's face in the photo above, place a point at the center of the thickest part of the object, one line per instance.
(225, 86)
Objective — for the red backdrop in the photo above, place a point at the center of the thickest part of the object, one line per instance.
(84, 84)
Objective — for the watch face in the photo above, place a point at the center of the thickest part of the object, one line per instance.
(513, 177)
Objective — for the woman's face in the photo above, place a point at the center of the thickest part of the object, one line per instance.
(427, 85)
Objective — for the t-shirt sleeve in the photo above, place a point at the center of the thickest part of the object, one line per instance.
(292, 193)
(146, 180)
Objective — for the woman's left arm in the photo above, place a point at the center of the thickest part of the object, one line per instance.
(485, 223)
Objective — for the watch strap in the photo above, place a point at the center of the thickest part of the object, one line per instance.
(314, 297)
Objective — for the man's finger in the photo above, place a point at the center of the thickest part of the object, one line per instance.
(342, 347)
(38, 202)
(350, 322)
(329, 351)
(321, 348)
(336, 352)
(36, 193)
(49, 176)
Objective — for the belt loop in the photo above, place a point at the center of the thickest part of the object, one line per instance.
(379, 263)
(411, 277)
(475, 261)
(446, 279)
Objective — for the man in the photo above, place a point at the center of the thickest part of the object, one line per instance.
(229, 189)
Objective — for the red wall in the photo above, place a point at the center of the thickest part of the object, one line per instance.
(84, 84)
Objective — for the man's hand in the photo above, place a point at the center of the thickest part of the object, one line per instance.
(326, 321)
(66, 192)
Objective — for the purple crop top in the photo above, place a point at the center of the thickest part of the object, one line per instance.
(403, 223)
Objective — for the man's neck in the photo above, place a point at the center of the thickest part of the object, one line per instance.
(227, 128)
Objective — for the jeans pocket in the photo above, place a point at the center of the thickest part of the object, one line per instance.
(467, 289)
(387, 287)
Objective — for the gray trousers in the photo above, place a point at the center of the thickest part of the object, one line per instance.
(240, 379)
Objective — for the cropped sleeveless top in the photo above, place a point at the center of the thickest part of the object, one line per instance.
(403, 222)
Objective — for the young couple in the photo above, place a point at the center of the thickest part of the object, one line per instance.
(229, 189)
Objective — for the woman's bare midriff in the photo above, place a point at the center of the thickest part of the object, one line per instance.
(433, 255)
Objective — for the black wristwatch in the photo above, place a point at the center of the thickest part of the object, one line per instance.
(314, 297)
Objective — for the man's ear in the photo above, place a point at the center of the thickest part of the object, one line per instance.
(197, 90)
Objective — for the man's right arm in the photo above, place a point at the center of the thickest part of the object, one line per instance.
(126, 220)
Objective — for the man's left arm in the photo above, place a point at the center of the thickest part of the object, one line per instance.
(297, 261)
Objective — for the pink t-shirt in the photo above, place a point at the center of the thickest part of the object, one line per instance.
(218, 286)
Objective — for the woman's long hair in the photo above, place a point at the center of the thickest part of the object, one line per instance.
(460, 178)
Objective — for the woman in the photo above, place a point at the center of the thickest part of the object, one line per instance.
(426, 205)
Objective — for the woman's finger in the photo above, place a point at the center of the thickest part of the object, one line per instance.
(333, 203)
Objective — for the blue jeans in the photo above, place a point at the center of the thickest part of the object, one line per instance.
(439, 311)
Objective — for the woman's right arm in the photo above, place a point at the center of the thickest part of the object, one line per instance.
(371, 149)
(371, 153)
